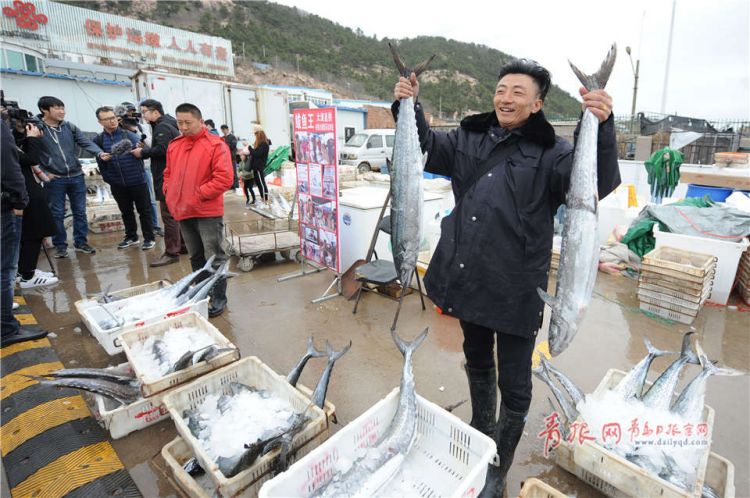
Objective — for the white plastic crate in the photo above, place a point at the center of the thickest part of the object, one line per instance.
(121, 420)
(89, 310)
(252, 372)
(676, 316)
(617, 477)
(534, 488)
(449, 458)
(158, 329)
(727, 258)
(669, 302)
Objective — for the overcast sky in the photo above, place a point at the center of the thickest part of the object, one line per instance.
(710, 66)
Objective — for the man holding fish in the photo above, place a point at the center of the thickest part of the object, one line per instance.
(510, 173)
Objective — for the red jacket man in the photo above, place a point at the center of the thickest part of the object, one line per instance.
(199, 171)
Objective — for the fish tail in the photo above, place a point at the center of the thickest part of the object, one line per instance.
(338, 354)
(599, 79)
(406, 71)
(408, 347)
(654, 351)
(687, 350)
(710, 367)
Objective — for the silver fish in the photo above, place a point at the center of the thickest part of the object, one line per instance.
(631, 386)
(203, 289)
(319, 395)
(569, 410)
(689, 403)
(406, 182)
(209, 353)
(659, 395)
(576, 395)
(392, 446)
(579, 254)
(93, 373)
(118, 392)
(311, 352)
(184, 283)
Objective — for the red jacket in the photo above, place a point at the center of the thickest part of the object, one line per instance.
(198, 172)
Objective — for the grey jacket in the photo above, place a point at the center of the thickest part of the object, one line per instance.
(59, 153)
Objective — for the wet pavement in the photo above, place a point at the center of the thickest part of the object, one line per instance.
(272, 320)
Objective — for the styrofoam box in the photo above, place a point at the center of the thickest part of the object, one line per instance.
(727, 258)
(448, 458)
(254, 373)
(89, 310)
(617, 477)
(121, 420)
(158, 329)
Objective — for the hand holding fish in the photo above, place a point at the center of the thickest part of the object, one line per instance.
(598, 102)
(406, 88)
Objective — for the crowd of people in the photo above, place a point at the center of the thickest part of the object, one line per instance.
(153, 163)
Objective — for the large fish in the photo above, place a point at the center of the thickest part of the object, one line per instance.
(579, 254)
(406, 182)
(311, 352)
(659, 395)
(319, 395)
(631, 386)
(368, 474)
(576, 395)
(123, 394)
(566, 404)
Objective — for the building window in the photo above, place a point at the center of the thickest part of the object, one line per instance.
(31, 64)
(14, 60)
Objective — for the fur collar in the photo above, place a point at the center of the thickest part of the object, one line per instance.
(537, 128)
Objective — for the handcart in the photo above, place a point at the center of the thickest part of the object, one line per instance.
(249, 240)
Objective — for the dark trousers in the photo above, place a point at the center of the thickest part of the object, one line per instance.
(28, 257)
(513, 362)
(10, 233)
(247, 186)
(137, 197)
(260, 181)
(74, 188)
(203, 237)
(172, 235)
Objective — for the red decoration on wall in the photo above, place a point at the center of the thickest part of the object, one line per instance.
(25, 14)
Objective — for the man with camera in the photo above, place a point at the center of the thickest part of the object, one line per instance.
(164, 131)
(59, 160)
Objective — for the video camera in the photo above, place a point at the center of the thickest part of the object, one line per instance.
(15, 113)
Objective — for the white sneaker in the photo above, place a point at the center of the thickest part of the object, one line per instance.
(16, 306)
(37, 281)
(40, 273)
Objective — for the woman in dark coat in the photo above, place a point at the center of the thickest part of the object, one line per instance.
(259, 152)
(37, 217)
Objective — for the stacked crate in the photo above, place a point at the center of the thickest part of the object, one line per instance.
(675, 283)
(743, 277)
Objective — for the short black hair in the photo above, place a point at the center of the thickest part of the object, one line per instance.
(210, 122)
(153, 105)
(532, 68)
(104, 108)
(224, 127)
(46, 102)
(192, 109)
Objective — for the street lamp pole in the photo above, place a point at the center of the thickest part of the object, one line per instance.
(635, 70)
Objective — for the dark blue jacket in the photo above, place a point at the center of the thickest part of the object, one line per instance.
(124, 170)
(60, 152)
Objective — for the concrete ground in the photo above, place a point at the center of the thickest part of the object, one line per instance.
(272, 320)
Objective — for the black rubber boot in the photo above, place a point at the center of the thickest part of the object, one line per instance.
(218, 298)
(483, 392)
(508, 433)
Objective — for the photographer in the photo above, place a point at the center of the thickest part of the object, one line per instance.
(37, 217)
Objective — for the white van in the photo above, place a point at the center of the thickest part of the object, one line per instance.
(368, 149)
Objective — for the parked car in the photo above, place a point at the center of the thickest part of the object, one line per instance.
(368, 150)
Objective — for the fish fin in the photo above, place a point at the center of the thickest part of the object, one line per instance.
(654, 351)
(709, 365)
(551, 301)
(405, 346)
(687, 350)
(338, 354)
(402, 69)
(599, 79)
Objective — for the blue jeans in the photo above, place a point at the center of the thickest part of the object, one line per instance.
(154, 208)
(75, 188)
(10, 235)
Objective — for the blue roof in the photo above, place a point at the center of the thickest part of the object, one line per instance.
(350, 109)
(65, 77)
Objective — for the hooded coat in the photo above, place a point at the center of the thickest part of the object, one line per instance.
(496, 245)
(199, 171)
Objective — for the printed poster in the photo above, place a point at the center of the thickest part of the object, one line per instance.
(317, 185)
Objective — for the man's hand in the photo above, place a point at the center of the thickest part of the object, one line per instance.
(105, 156)
(137, 152)
(18, 212)
(33, 131)
(598, 102)
(406, 88)
(51, 176)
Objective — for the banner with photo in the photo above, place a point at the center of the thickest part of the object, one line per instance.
(317, 185)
